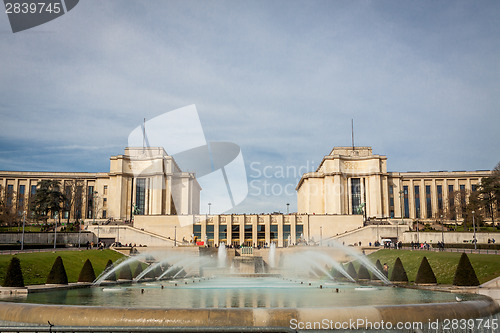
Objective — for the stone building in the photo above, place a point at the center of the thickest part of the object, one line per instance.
(356, 181)
(144, 181)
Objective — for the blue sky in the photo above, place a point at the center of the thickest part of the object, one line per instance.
(282, 79)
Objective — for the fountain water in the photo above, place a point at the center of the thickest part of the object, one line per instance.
(272, 255)
(222, 256)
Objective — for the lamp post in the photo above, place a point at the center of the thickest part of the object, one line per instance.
(402, 221)
(288, 208)
(22, 237)
(442, 230)
(175, 235)
(94, 196)
(320, 236)
(209, 204)
(474, 226)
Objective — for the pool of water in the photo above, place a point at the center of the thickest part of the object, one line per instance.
(238, 292)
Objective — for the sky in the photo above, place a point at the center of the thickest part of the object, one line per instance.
(281, 79)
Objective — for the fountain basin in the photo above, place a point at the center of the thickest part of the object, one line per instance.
(237, 302)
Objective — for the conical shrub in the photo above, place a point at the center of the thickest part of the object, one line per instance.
(109, 268)
(14, 275)
(138, 270)
(352, 271)
(125, 273)
(363, 273)
(87, 273)
(465, 275)
(380, 268)
(57, 274)
(399, 273)
(425, 274)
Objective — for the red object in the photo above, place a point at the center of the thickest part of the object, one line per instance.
(200, 243)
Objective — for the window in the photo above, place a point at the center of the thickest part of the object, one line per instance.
(428, 201)
(462, 198)
(20, 200)
(248, 232)
(210, 231)
(222, 232)
(274, 231)
(356, 196)
(235, 232)
(90, 202)
(451, 199)
(417, 201)
(440, 198)
(474, 187)
(10, 193)
(286, 231)
(406, 202)
(33, 190)
(261, 232)
(391, 189)
(197, 231)
(140, 196)
(299, 231)
(105, 189)
(104, 214)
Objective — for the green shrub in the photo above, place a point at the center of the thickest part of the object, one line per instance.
(363, 273)
(465, 274)
(425, 273)
(138, 270)
(109, 268)
(87, 273)
(352, 271)
(57, 274)
(398, 272)
(125, 273)
(14, 275)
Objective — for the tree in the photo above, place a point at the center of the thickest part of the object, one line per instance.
(57, 274)
(490, 191)
(465, 275)
(425, 273)
(378, 264)
(474, 205)
(8, 212)
(48, 199)
(73, 191)
(14, 276)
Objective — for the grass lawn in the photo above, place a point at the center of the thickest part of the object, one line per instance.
(36, 266)
(444, 264)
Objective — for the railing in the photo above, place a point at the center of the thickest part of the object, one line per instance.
(451, 249)
(87, 329)
(43, 250)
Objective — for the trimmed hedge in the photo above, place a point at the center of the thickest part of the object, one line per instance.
(138, 270)
(109, 268)
(87, 273)
(465, 275)
(352, 271)
(14, 275)
(57, 274)
(425, 274)
(399, 273)
(125, 273)
(363, 273)
(380, 268)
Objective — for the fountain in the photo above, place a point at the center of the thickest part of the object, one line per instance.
(221, 256)
(296, 285)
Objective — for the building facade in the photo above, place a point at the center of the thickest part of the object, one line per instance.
(353, 180)
(143, 181)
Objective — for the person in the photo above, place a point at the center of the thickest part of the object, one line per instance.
(386, 269)
(88, 245)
